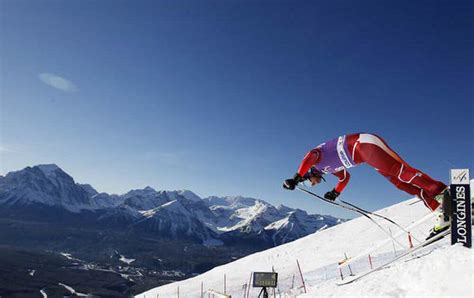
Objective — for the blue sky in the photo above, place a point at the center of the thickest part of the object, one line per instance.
(226, 97)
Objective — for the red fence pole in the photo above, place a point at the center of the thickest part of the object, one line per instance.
(409, 240)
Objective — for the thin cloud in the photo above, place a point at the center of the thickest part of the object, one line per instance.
(57, 82)
(5, 149)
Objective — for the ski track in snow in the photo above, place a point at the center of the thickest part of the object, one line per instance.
(440, 270)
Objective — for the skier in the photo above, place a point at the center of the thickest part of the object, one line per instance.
(337, 155)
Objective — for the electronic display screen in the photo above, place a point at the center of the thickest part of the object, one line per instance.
(265, 279)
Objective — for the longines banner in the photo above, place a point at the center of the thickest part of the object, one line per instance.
(461, 231)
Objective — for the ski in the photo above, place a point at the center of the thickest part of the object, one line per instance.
(406, 253)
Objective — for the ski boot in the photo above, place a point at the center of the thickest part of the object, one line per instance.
(443, 220)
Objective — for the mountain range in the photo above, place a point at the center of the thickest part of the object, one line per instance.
(212, 220)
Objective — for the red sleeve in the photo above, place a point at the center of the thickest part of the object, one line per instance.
(310, 159)
(344, 177)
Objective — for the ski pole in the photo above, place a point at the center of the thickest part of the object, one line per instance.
(334, 202)
(381, 216)
(353, 209)
(378, 215)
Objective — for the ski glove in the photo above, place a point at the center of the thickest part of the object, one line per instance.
(331, 195)
(291, 183)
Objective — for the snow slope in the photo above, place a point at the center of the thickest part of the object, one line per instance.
(442, 270)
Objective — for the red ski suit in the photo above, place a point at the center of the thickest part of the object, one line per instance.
(371, 149)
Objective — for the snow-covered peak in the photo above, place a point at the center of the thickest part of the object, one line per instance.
(89, 189)
(45, 184)
(187, 194)
(253, 211)
(230, 202)
(145, 199)
(49, 170)
(149, 189)
(283, 208)
(145, 192)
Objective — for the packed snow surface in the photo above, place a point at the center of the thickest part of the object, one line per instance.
(436, 271)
